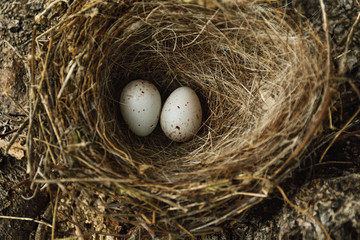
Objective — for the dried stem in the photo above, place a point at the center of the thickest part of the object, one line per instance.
(26, 219)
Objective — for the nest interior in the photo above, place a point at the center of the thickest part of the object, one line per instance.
(259, 75)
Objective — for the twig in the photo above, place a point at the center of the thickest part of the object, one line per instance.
(8, 133)
(16, 103)
(338, 134)
(33, 195)
(332, 162)
(46, 140)
(38, 172)
(72, 68)
(355, 88)
(32, 106)
(45, 103)
(17, 53)
(151, 232)
(346, 124)
(303, 212)
(26, 219)
(246, 205)
(91, 180)
(342, 69)
(20, 183)
(186, 231)
(15, 136)
(327, 37)
(32, 62)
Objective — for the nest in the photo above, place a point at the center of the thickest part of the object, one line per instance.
(259, 73)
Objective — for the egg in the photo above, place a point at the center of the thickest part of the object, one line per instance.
(181, 115)
(140, 106)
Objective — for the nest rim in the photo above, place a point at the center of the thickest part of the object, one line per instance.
(90, 135)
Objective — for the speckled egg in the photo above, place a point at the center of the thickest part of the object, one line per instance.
(181, 115)
(140, 105)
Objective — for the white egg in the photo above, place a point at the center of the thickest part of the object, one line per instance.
(181, 115)
(140, 105)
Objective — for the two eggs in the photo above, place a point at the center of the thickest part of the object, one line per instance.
(180, 116)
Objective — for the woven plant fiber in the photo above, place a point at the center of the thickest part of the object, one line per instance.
(260, 73)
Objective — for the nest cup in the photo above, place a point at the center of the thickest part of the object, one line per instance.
(259, 75)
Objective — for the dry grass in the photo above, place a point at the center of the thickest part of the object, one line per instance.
(260, 75)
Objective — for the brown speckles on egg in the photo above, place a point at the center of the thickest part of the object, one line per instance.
(182, 109)
(140, 105)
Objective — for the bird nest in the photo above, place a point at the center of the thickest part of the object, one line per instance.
(260, 74)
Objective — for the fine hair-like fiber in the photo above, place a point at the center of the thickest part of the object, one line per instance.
(259, 73)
